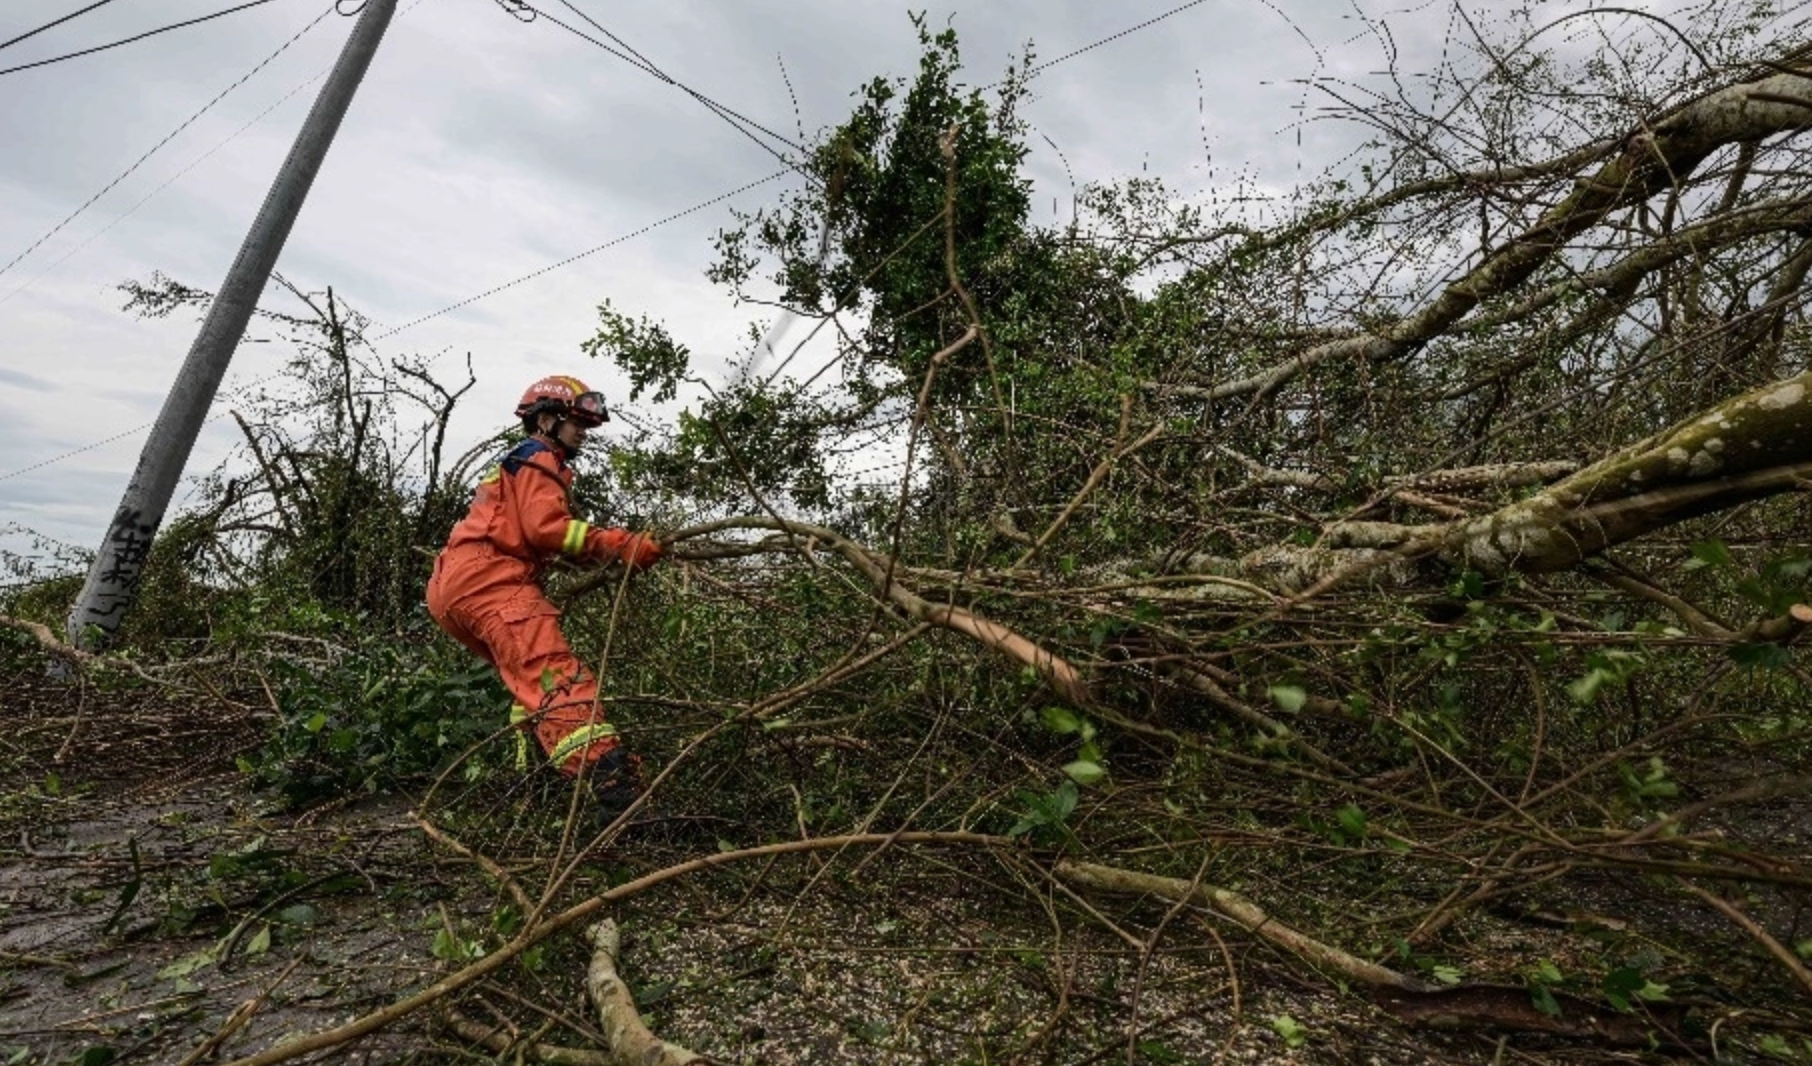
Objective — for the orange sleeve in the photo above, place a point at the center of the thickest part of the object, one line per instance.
(547, 525)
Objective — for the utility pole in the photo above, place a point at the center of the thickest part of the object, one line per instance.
(113, 580)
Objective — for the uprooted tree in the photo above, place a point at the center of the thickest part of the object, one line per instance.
(1442, 527)
(1472, 487)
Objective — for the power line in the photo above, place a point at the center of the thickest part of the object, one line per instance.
(54, 230)
(73, 452)
(129, 40)
(575, 258)
(1109, 40)
(469, 300)
(171, 180)
(55, 23)
(1154, 20)
(741, 123)
(642, 61)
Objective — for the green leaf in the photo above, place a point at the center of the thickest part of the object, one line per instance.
(1544, 1000)
(1061, 720)
(1294, 1035)
(1760, 654)
(315, 724)
(1585, 689)
(299, 914)
(1084, 772)
(260, 942)
(186, 965)
(1352, 819)
(1289, 697)
(1712, 552)
(130, 891)
(447, 947)
(1622, 983)
(1445, 974)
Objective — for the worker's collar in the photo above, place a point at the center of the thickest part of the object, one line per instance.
(553, 444)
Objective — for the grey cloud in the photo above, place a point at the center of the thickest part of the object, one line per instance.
(25, 381)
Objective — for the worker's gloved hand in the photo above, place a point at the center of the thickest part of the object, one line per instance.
(639, 551)
(642, 551)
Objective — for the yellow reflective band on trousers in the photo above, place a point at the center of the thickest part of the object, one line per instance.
(578, 739)
(575, 537)
(518, 715)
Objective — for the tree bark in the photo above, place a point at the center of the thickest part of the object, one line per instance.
(628, 1041)
(1754, 445)
(1653, 157)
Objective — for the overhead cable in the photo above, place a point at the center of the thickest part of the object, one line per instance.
(575, 258)
(54, 230)
(644, 63)
(744, 125)
(129, 40)
(470, 300)
(171, 180)
(1039, 68)
(54, 23)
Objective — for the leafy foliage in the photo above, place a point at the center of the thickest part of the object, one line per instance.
(387, 710)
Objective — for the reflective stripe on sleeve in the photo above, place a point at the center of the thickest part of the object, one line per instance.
(575, 537)
(578, 739)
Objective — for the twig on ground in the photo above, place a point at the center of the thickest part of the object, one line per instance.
(236, 1021)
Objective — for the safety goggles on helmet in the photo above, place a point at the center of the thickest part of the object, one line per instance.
(588, 409)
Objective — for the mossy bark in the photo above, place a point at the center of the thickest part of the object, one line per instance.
(1750, 446)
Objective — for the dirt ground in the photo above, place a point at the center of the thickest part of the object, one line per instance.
(152, 909)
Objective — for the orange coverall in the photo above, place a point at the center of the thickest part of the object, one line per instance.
(486, 593)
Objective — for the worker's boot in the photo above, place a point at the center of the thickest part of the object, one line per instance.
(616, 781)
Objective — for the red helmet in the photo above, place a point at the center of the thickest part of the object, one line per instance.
(564, 396)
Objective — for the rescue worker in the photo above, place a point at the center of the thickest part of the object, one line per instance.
(486, 589)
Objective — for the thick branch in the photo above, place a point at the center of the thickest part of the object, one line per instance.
(1653, 158)
(1057, 672)
(627, 1039)
(1754, 445)
(1243, 911)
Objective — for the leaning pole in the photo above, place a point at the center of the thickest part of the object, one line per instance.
(113, 580)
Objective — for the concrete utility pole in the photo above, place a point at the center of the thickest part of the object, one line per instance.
(113, 579)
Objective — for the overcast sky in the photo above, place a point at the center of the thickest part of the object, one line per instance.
(480, 149)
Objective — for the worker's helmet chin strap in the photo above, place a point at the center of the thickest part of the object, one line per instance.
(553, 434)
